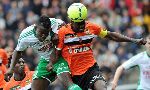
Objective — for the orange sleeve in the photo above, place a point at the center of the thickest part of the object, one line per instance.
(98, 30)
(61, 39)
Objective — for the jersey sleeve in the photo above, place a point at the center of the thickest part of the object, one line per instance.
(101, 32)
(135, 60)
(56, 24)
(22, 45)
(61, 39)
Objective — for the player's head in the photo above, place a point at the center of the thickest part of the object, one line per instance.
(43, 27)
(19, 67)
(77, 13)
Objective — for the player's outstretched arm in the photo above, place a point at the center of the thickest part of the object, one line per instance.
(117, 76)
(15, 57)
(122, 38)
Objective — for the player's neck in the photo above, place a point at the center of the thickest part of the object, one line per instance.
(19, 77)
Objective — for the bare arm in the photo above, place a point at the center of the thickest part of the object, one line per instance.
(15, 57)
(55, 53)
(121, 38)
(117, 76)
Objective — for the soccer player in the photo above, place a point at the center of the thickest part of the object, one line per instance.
(2, 72)
(21, 79)
(75, 41)
(142, 60)
(4, 57)
(39, 37)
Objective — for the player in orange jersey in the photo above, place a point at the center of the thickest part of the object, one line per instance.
(21, 78)
(4, 57)
(75, 40)
(2, 72)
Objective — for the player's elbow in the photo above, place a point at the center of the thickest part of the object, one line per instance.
(120, 68)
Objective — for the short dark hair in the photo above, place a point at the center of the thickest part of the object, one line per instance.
(44, 21)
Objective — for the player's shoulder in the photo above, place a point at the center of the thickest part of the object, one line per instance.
(27, 32)
(141, 54)
(29, 73)
(28, 29)
(55, 21)
(92, 25)
(65, 28)
(138, 57)
(89, 23)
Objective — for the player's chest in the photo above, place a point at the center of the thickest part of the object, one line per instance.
(46, 45)
(72, 38)
(145, 68)
(21, 84)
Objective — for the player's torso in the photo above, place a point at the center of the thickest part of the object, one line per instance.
(145, 72)
(78, 43)
(25, 84)
(42, 48)
(77, 49)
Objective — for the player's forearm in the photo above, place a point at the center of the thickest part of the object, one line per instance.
(15, 57)
(120, 38)
(54, 56)
(118, 74)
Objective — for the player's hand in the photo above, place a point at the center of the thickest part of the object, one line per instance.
(114, 85)
(8, 74)
(49, 67)
(140, 41)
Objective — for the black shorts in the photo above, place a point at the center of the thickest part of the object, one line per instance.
(86, 81)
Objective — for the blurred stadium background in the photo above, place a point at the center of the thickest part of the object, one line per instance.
(129, 17)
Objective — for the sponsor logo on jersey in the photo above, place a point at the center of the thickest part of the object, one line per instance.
(47, 46)
(79, 49)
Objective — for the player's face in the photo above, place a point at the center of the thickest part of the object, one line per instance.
(42, 33)
(78, 26)
(19, 67)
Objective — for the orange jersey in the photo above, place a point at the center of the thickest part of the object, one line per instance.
(25, 84)
(2, 72)
(26, 68)
(3, 56)
(76, 47)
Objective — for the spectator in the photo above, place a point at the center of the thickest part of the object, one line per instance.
(2, 72)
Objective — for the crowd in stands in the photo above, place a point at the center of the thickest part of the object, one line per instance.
(129, 17)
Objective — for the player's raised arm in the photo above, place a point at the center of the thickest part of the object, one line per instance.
(122, 38)
(19, 50)
(16, 56)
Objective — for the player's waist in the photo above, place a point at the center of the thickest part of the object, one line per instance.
(79, 68)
